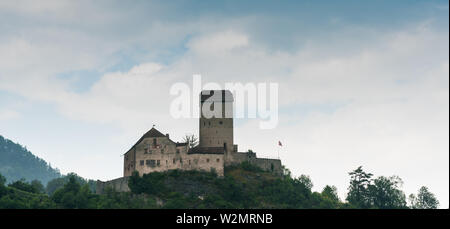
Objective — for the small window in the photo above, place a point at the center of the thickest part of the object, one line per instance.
(178, 150)
(146, 151)
(218, 160)
(141, 162)
(162, 150)
(181, 160)
(158, 163)
(147, 162)
(189, 161)
(154, 141)
(220, 122)
(174, 160)
(207, 160)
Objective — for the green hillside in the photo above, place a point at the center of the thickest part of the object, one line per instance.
(16, 162)
(243, 186)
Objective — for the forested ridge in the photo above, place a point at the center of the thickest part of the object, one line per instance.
(16, 162)
(243, 186)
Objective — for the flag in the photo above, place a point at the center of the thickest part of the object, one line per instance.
(279, 143)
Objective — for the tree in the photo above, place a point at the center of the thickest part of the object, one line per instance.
(24, 186)
(306, 180)
(37, 186)
(330, 192)
(2, 185)
(73, 195)
(424, 200)
(2, 180)
(358, 189)
(384, 193)
(191, 140)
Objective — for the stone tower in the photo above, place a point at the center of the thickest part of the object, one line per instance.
(216, 119)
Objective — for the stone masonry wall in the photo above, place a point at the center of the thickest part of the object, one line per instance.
(119, 184)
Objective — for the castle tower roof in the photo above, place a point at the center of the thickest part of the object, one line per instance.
(216, 96)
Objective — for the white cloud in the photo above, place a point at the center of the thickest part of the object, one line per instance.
(392, 116)
(8, 114)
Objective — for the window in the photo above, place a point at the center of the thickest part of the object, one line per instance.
(174, 160)
(217, 160)
(141, 162)
(162, 150)
(220, 122)
(146, 151)
(207, 160)
(181, 160)
(167, 162)
(154, 142)
(158, 163)
(150, 163)
(189, 161)
(178, 150)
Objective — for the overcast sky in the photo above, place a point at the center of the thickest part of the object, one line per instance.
(359, 83)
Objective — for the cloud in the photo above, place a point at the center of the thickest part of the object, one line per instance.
(378, 101)
(8, 114)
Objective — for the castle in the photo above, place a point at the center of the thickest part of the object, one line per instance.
(156, 152)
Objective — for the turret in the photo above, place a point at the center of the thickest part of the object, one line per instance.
(216, 119)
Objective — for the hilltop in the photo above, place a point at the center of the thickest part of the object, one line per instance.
(16, 162)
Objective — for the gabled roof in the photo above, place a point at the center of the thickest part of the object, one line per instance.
(152, 133)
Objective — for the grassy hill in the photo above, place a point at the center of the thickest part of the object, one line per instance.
(16, 162)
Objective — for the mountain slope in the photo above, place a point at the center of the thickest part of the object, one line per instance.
(17, 162)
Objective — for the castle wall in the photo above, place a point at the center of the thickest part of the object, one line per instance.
(272, 165)
(165, 155)
(119, 184)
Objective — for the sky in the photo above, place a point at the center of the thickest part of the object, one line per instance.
(360, 83)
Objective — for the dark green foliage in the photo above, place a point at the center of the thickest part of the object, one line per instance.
(330, 198)
(424, 200)
(38, 186)
(124, 200)
(380, 193)
(358, 192)
(384, 193)
(57, 183)
(14, 198)
(73, 195)
(16, 162)
(27, 187)
(243, 186)
(2, 185)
